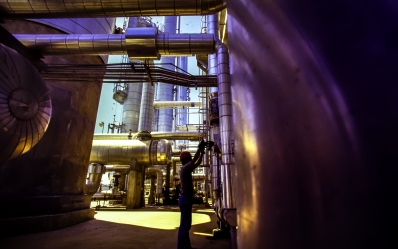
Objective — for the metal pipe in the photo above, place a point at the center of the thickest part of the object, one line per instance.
(107, 8)
(95, 172)
(117, 168)
(213, 28)
(138, 43)
(25, 105)
(179, 135)
(176, 104)
(121, 152)
(226, 127)
(164, 90)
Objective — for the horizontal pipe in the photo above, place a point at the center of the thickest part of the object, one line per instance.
(107, 8)
(176, 104)
(122, 152)
(139, 43)
(183, 135)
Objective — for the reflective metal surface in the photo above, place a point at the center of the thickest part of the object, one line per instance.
(176, 104)
(138, 43)
(141, 43)
(180, 135)
(25, 108)
(107, 8)
(226, 126)
(146, 110)
(95, 172)
(121, 152)
(213, 28)
(315, 113)
(165, 92)
(131, 108)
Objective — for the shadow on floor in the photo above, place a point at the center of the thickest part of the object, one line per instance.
(151, 228)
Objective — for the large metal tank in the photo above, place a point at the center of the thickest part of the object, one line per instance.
(50, 178)
(315, 118)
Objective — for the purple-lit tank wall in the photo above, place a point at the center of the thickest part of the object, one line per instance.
(50, 178)
(315, 113)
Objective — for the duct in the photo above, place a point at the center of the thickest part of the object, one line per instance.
(179, 135)
(175, 104)
(159, 179)
(226, 131)
(25, 108)
(95, 172)
(139, 43)
(107, 8)
(121, 152)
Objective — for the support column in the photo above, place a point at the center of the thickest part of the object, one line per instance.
(134, 186)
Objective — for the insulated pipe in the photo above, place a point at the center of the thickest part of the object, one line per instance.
(175, 104)
(179, 135)
(165, 91)
(117, 168)
(137, 42)
(121, 152)
(95, 172)
(213, 28)
(25, 105)
(132, 104)
(131, 107)
(107, 8)
(226, 127)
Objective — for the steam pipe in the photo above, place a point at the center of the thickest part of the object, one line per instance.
(107, 8)
(121, 152)
(176, 104)
(138, 43)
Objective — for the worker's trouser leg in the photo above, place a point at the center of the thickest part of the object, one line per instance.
(185, 222)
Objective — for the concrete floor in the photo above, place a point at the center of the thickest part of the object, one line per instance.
(115, 227)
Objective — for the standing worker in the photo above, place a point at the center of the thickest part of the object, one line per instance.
(186, 198)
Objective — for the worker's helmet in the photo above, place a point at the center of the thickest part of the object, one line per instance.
(185, 154)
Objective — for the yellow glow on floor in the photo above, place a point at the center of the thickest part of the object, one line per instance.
(203, 234)
(205, 210)
(158, 220)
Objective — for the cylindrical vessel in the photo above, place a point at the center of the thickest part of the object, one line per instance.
(121, 152)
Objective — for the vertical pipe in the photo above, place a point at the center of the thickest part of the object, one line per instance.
(213, 28)
(132, 104)
(165, 91)
(146, 111)
(226, 131)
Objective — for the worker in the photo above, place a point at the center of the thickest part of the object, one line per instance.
(186, 198)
